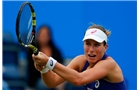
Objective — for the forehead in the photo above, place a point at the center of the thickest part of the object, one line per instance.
(43, 31)
(91, 40)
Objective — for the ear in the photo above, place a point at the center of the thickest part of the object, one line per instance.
(106, 47)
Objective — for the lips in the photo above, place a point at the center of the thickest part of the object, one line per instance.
(91, 55)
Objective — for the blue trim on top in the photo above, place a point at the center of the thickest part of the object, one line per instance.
(87, 63)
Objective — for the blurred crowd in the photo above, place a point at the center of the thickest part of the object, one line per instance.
(19, 72)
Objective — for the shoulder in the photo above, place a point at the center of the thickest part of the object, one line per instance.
(107, 65)
(80, 57)
(114, 70)
(78, 62)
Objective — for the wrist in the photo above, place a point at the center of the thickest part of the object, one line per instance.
(45, 70)
(51, 63)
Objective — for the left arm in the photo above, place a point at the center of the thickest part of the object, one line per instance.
(100, 70)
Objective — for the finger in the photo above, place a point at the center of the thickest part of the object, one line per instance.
(34, 57)
(39, 63)
(43, 67)
(40, 66)
(40, 69)
(36, 60)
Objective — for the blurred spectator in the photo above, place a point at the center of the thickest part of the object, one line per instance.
(14, 64)
(45, 44)
(5, 85)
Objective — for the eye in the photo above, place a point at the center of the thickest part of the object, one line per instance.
(97, 44)
(87, 43)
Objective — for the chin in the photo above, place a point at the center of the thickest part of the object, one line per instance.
(92, 61)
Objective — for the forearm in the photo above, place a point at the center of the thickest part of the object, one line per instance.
(68, 74)
(51, 79)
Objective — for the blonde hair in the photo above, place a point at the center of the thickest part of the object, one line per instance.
(107, 32)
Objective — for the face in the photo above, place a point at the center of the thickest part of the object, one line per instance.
(94, 51)
(43, 36)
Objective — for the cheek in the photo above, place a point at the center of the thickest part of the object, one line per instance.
(86, 48)
(100, 50)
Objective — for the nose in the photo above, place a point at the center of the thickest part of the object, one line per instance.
(91, 49)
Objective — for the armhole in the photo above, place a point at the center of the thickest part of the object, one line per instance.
(82, 65)
(77, 62)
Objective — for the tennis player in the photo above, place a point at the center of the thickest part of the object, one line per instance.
(96, 70)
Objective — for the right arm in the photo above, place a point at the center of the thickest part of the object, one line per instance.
(51, 79)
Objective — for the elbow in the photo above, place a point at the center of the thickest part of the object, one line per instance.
(50, 86)
(78, 82)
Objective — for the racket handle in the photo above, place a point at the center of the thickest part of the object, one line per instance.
(37, 52)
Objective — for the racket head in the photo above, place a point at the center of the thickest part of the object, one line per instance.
(26, 26)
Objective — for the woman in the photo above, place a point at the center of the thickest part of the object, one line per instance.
(45, 44)
(95, 69)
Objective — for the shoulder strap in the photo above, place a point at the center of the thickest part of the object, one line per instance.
(86, 64)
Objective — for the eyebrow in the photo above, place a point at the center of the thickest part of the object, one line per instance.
(89, 41)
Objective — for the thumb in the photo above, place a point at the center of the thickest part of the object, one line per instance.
(36, 56)
(33, 56)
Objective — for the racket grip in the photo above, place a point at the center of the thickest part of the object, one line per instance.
(37, 52)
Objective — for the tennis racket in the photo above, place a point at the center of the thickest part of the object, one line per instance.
(26, 26)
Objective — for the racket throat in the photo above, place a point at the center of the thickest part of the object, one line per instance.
(35, 50)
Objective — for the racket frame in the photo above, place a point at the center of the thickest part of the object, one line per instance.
(32, 44)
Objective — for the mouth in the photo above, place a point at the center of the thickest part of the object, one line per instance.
(92, 56)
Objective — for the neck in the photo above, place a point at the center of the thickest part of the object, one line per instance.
(91, 65)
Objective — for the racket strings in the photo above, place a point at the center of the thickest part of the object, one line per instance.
(25, 25)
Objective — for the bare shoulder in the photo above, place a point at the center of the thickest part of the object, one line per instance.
(108, 63)
(78, 62)
(80, 57)
(115, 72)
(113, 63)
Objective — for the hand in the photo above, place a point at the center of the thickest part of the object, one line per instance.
(40, 59)
(39, 68)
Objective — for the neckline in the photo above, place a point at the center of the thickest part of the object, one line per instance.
(87, 63)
